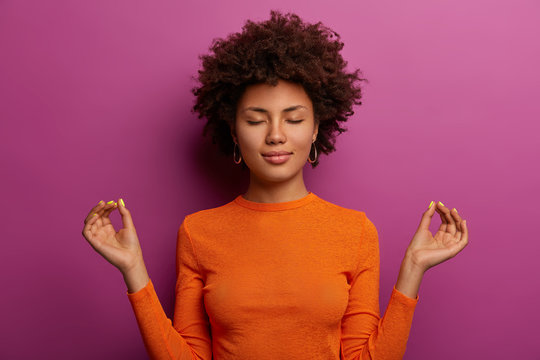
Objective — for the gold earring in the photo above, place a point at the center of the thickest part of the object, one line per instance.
(312, 161)
(234, 155)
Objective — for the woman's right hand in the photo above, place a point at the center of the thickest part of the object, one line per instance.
(122, 248)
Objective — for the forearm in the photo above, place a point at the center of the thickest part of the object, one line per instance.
(161, 339)
(136, 278)
(409, 278)
(389, 341)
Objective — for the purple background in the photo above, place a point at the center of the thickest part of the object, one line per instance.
(95, 105)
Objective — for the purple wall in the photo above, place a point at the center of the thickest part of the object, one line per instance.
(95, 105)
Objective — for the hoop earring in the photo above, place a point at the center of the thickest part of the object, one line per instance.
(234, 155)
(312, 161)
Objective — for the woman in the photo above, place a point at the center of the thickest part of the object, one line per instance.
(277, 273)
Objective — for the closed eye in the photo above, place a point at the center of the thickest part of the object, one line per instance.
(258, 122)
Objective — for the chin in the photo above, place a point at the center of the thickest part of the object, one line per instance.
(276, 175)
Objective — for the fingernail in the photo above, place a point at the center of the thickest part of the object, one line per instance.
(95, 214)
(456, 210)
(122, 202)
(441, 203)
(99, 203)
(110, 202)
(430, 204)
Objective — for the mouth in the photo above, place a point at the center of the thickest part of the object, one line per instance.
(277, 157)
(276, 153)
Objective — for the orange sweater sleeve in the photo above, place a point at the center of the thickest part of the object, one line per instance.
(364, 334)
(188, 335)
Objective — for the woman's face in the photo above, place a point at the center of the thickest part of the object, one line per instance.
(275, 119)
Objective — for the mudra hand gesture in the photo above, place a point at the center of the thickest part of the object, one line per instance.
(122, 249)
(426, 250)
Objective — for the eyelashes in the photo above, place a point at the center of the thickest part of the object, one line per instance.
(291, 121)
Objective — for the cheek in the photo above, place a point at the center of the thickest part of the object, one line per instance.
(248, 141)
(302, 142)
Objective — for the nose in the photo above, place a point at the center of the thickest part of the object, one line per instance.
(275, 133)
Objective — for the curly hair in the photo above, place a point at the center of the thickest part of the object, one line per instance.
(283, 47)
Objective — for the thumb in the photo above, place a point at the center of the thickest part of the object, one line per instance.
(426, 217)
(126, 215)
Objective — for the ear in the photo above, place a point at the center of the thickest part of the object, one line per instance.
(233, 135)
(315, 131)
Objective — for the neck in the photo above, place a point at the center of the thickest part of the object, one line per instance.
(274, 192)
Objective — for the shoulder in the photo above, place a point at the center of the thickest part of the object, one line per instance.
(212, 217)
(339, 211)
(346, 216)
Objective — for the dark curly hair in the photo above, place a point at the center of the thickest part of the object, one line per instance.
(283, 47)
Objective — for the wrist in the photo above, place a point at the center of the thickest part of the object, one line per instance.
(410, 264)
(133, 265)
(136, 277)
(409, 278)
(136, 268)
(411, 271)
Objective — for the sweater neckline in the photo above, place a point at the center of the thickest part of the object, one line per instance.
(240, 200)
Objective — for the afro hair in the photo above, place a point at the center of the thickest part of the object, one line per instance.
(283, 47)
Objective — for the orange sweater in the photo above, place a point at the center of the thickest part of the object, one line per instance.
(290, 280)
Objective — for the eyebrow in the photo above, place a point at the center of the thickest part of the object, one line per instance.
(259, 109)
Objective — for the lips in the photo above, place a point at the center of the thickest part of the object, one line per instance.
(276, 153)
(277, 159)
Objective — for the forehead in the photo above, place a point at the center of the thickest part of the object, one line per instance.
(284, 95)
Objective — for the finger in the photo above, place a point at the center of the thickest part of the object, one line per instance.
(94, 210)
(441, 213)
(457, 247)
(464, 233)
(104, 207)
(109, 207)
(125, 213)
(446, 218)
(451, 222)
(457, 219)
(426, 217)
(463, 240)
(88, 227)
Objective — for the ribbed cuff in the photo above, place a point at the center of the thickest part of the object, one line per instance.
(145, 291)
(402, 298)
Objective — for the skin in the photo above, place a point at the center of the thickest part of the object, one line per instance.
(266, 122)
(426, 250)
(269, 183)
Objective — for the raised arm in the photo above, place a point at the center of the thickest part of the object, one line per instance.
(189, 336)
(365, 335)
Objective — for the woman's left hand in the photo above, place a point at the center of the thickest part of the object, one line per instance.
(426, 250)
